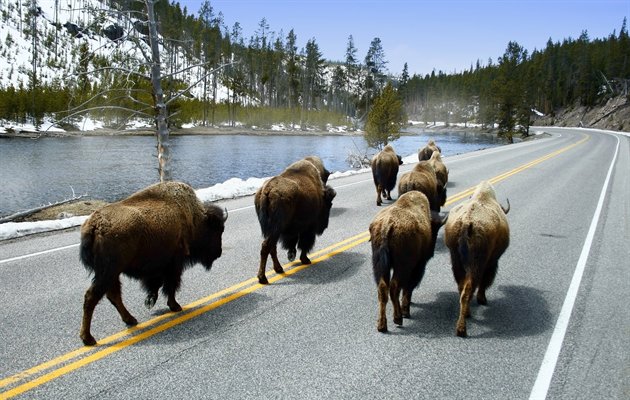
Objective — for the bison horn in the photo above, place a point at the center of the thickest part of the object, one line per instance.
(225, 214)
(506, 210)
(439, 217)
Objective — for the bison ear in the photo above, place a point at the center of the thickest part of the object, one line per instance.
(400, 161)
(325, 175)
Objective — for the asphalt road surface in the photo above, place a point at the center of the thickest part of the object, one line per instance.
(556, 325)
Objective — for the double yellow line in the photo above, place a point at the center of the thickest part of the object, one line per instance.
(152, 327)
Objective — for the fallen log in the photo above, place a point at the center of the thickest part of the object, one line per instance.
(26, 213)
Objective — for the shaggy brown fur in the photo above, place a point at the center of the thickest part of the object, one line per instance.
(153, 235)
(441, 173)
(426, 152)
(401, 246)
(317, 162)
(293, 208)
(385, 166)
(477, 233)
(422, 179)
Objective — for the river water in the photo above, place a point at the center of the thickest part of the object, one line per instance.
(39, 171)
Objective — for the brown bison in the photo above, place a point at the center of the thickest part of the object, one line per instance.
(153, 235)
(441, 173)
(422, 179)
(477, 234)
(293, 208)
(401, 246)
(426, 152)
(384, 171)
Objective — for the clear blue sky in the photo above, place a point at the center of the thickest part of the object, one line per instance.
(447, 35)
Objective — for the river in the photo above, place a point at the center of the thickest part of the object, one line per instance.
(39, 171)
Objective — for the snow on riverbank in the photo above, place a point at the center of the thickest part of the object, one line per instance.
(229, 189)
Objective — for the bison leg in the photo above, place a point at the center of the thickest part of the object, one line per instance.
(305, 243)
(486, 280)
(464, 306)
(379, 189)
(276, 263)
(115, 297)
(289, 243)
(265, 250)
(382, 290)
(394, 295)
(151, 286)
(171, 286)
(93, 295)
(389, 194)
(406, 303)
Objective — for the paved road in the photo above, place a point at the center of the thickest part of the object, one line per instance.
(547, 331)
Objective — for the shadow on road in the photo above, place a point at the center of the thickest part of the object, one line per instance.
(512, 312)
(339, 268)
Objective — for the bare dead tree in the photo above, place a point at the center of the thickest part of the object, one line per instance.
(149, 45)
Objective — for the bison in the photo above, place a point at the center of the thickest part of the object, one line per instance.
(152, 235)
(441, 173)
(401, 246)
(384, 171)
(477, 234)
(422, 179)
(293, 208)
(426, 152)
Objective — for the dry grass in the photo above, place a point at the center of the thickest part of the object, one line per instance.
(76, 208)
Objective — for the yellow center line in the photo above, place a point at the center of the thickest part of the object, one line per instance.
(197, 307)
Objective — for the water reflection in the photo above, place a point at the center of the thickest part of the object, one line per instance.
(36, 172)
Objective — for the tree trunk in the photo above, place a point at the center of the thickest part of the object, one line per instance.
(161, 115)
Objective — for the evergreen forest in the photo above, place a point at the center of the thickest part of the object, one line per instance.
(266, 79)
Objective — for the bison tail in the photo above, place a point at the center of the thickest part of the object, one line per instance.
(86, 249)
(270, 216)
(471, 247)
(381, 262)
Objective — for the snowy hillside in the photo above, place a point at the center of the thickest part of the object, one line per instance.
(70, 36)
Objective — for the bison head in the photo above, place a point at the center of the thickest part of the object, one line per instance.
(210, 233)
(329, 195)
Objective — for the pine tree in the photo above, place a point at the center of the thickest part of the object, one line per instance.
(352, 75)
(385, 119)
(313, 79)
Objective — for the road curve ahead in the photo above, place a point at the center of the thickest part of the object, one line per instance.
(556, 324)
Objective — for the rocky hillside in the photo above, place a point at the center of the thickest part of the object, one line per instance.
(612, 115)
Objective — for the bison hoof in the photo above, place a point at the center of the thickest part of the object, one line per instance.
(174, 306)
(131, 321)
(382, 329)
(263, 280)
(398, 321)
(88, 340)
(482, 300)
(149, 302)
(461, 332)
(278, 269)
(305, 260)
(406, 314)
(291, 254)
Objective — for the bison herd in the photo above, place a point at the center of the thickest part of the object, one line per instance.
(156, 233)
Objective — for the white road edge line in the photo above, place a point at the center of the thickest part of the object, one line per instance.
(545, 373)
(38, 253)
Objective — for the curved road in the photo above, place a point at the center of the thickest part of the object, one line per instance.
(556, 325)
